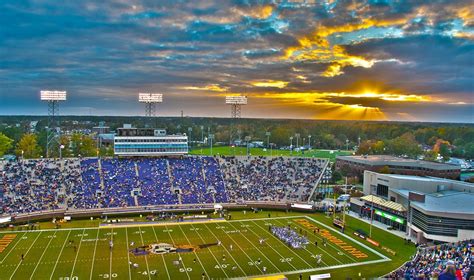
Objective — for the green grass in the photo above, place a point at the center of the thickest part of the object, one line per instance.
(48, 254)
(242, 151)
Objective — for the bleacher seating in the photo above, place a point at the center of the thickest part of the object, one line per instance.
(37, 185)
(446, 261)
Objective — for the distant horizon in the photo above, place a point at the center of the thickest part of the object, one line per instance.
(243, 118)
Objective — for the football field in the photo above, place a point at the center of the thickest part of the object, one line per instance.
(221, 250)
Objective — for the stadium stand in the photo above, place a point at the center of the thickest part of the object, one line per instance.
(32, 185)
(45, 184)
(446, 261)
(271, 179)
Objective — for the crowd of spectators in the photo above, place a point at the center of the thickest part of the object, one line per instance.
(32, 185)
(446, 261)
(271, 179)
(46, 184)
(290, 237)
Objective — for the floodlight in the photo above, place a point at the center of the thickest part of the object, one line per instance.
(53, 95)
(236, 100)
(150, 97)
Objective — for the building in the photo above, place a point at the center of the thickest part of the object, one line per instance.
(356, 165)
(148, 142)
(101, 129)
(429, 208)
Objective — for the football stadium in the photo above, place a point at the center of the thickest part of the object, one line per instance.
(103, 218)
(238, 139)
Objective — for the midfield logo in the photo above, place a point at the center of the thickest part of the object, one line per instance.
(166, 248)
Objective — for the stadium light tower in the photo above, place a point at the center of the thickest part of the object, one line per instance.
(150, 100)
(236, 103)
(53, 132)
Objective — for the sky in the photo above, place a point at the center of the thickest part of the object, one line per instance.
(347, 60)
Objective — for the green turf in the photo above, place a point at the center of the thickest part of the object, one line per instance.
(242, 151)
(48, 254)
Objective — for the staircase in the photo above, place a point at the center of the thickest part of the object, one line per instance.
(170, 176)
(101, 176)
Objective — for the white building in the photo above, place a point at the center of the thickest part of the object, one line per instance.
(431, 209)
(132, 142)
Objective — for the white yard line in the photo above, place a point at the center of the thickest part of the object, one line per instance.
(18, 266)
(226, 250)
(281, 256)
(197, 222)
(128, 255)
(236, 243)
(199, 259)
(44, 251)
(93, 256)
(264, 255)
(197, 231)
(110, 257)
(21, 238)
(162, 257)
(77, 254)
(179, 255)
(328, 243)
(322, 249)
(318, 269)
(57, 260)
(146, 259)
(352, 239)
(294, 253)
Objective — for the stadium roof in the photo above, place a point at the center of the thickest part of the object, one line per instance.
(431, 179)
(385, 203)
(447, 201)
(382, 160)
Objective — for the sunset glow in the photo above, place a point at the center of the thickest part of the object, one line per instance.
(388, 60)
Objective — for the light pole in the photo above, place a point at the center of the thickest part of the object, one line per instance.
(268, 134)
(61, 147)
(297, 135)
(347, 144)
(190, 140)
(309, 142)
(291, 145)
(211, 137)
(358, 139)
(247, 139)
(202, 134)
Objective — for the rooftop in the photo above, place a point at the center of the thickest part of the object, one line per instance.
(448, 201)
(382, 160)
(431, 179)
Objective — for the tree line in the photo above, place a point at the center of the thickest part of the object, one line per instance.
(396, 138)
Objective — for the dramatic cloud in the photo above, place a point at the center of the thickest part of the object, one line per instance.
(375, 60)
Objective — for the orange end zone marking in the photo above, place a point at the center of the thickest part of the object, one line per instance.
(6, 240)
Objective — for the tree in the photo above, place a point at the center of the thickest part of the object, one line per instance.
(83, 145)
(431, 155)
(469, 151)
(384, 170)
(5, 144)
(336, 176)
(444, 151)
(28, 146)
